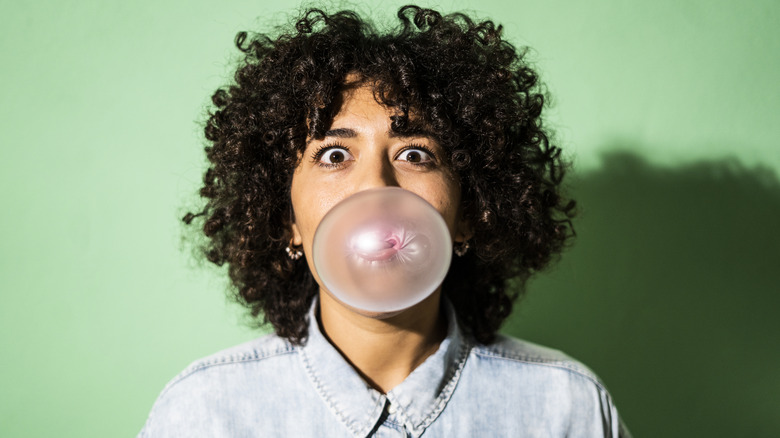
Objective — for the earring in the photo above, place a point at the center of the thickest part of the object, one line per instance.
(293, 252)
(461, 248)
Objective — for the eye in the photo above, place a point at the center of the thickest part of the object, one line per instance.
(333, 155)
(416, 155)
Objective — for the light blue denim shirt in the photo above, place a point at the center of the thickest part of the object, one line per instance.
(269, 387)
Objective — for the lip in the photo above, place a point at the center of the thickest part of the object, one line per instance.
(378, 255)
(379, 244)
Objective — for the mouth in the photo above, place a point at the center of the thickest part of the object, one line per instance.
(376, 246)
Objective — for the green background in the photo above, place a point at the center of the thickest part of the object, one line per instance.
(669, 110)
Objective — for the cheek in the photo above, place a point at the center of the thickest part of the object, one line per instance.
(445, 197)
(316, 208)
(449, 212)
(311, 201)
(310, 204)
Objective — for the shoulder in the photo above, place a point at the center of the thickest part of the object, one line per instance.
(517, 353)
(230, 380)
(543, 383)
(256, 351)
(267, 352)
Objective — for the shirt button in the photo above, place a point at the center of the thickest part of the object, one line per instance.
(391, 409)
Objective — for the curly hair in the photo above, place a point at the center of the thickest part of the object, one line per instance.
(458, 76)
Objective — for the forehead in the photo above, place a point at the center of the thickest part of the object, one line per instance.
(360, 103)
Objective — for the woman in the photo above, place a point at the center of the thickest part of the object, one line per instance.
(441, 107)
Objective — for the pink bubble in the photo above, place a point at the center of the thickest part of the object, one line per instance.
(382, 250)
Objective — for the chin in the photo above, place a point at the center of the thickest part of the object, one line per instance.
(378, 315)
(368, 313)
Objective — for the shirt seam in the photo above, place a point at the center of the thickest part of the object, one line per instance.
(441, 401)
(319, 387)
(552, 363)
(225, 360)
(206, 364)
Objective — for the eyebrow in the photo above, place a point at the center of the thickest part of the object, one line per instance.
(351, 133)
(419, 132)
(341, 133)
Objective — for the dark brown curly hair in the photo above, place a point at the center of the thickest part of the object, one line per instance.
(460, 78)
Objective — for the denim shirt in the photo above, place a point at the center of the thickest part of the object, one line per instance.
(269, 387)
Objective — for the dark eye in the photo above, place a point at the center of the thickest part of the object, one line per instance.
(415, 156)
(335, 156)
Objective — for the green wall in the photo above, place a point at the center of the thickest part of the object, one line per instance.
(669, 110)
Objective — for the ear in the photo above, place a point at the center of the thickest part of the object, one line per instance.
(464, 231)
(297, 240)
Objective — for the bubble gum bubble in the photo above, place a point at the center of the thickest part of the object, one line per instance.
(382, 250)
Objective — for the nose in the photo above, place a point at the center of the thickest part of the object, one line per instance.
(375, 172)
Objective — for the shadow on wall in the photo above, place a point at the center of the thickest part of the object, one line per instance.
(671, 293)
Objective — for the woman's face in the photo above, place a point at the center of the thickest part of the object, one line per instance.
(360, 152)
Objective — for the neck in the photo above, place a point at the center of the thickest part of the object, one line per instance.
(384, 351)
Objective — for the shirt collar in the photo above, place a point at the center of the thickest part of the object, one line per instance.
(415, 402)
